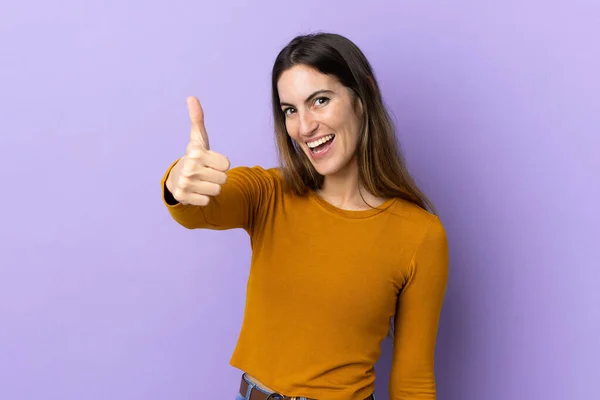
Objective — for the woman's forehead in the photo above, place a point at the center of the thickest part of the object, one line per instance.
(300, 81)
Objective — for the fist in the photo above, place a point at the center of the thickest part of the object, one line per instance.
(200, 173)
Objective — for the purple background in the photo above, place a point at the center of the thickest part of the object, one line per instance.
(103, 296)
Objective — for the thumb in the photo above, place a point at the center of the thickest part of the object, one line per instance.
(198, 130)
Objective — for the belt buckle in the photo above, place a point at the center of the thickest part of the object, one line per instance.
(280, 396)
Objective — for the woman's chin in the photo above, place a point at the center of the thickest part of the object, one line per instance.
(328, 168)
(335, 166)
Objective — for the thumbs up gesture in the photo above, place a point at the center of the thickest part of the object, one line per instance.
(200, 173)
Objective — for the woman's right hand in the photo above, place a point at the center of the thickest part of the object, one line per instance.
(199, 174)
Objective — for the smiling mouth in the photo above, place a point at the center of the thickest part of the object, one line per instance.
(318, 146)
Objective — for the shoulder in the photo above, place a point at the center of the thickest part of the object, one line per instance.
(418, 227)
(416, 218)
(430, 240)
(255, 172)
(255, 179)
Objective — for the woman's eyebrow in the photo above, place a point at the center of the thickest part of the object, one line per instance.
(309, 98)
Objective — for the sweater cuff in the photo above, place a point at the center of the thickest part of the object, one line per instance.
(167, 196)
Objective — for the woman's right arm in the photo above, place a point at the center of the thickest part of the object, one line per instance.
(200, 191)
(240, 200)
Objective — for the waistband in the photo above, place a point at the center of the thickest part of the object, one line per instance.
(251, 391)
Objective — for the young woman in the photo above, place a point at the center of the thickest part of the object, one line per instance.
(343, 242)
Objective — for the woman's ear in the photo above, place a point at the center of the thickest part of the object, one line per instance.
(358, 105)
(372, 83)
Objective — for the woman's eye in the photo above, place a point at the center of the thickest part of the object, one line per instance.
(318, 101)
(324, 100)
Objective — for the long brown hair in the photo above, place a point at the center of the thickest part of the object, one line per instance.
(381, 165)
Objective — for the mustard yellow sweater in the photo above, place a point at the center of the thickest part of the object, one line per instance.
(323, 285)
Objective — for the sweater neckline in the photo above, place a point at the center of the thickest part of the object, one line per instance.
(351, 213)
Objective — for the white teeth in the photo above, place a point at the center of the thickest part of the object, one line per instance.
(324, 139)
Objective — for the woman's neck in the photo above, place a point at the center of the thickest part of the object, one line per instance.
(343, 190)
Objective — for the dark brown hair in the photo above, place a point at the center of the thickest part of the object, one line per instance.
(381, 166)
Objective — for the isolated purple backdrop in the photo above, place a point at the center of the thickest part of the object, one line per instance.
(103, 296)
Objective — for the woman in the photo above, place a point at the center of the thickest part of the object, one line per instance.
(342, 239)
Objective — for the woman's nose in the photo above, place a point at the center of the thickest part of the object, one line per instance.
(308, 124)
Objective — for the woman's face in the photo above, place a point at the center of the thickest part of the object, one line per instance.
(322, 116)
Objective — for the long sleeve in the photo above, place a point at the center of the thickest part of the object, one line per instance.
(242, 197)
(417, 318)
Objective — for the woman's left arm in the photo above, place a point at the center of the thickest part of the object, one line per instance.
(417, 318)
